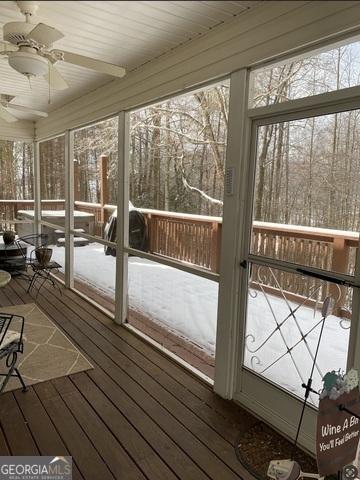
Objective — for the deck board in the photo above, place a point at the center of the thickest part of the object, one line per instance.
(105, 442)
(136, 415)
(47, 437)
(4, 448)
(18, 434)
(85, 454)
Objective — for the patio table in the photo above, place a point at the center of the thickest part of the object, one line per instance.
(12, 251)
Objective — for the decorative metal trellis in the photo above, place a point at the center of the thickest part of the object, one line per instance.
(315, 296)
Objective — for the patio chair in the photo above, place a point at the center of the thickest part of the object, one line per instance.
(11, 344)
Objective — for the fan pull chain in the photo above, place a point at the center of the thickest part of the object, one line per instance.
(29, 78)
(49, 100)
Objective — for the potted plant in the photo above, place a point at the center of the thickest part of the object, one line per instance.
(8, 237)
(43, 255)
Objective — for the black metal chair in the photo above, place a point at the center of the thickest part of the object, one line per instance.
(42, 268)
(11, 344)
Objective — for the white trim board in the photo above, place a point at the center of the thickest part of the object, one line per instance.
(272, 29)
(261, 398)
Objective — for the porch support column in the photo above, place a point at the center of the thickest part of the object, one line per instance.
(69, 209)
(104, 187)
(233, 280)
(122, 226)
(37, 193)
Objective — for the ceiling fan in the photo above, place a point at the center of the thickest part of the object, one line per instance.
(28, 48)
(5, 105)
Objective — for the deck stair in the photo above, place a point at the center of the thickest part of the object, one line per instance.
(78, 240)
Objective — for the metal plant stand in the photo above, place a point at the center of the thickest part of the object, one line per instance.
(43, 274)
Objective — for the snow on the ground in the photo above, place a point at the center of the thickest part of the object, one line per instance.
(187, 305)
(333, 346)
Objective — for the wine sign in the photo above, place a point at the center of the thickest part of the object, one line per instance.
(338, 432)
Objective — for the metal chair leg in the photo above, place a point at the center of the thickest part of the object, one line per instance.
(24, 387)
(53, 283)
(4, 383)
(10, 373)
(31, 283)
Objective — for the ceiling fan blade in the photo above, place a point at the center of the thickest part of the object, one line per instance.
(21, 108)
(7, 47)
(54, 78)
(5, 115)
(92, 63)
(5, 98)
(44, 34)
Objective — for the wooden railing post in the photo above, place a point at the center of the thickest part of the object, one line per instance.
(150, 231)
(340, 264)
(76, 181)
(215, 247)
(104, 188)
(219, 237)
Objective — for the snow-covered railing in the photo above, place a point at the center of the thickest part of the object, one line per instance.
(196, 239)
(189, 238)
(333, 250)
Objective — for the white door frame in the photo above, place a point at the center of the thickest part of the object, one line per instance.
(252, 391)
(232, 279)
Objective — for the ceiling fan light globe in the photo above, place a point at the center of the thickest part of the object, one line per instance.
(28, 63)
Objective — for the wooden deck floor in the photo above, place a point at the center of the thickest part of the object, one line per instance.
(136, 415)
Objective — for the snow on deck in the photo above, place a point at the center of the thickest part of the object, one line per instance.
(187, 305)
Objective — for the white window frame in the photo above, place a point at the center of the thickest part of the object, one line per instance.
(123, 243)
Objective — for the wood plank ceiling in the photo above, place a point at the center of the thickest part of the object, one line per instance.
(128, 33)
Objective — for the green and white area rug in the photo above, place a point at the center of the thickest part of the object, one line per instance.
(48, 353)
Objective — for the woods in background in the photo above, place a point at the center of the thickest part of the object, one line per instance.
(178, 153)
(308, 170)
(52, 168)
(16, 170)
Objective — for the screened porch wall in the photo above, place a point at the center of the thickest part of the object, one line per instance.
(260, 34)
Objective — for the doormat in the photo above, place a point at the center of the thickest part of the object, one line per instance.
(48, 353)
(260, 444)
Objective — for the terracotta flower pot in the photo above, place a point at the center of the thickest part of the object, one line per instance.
(43, 255)
(8, 237)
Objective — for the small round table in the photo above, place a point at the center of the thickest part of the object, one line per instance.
(5, 278)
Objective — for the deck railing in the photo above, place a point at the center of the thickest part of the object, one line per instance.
(196, 239)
